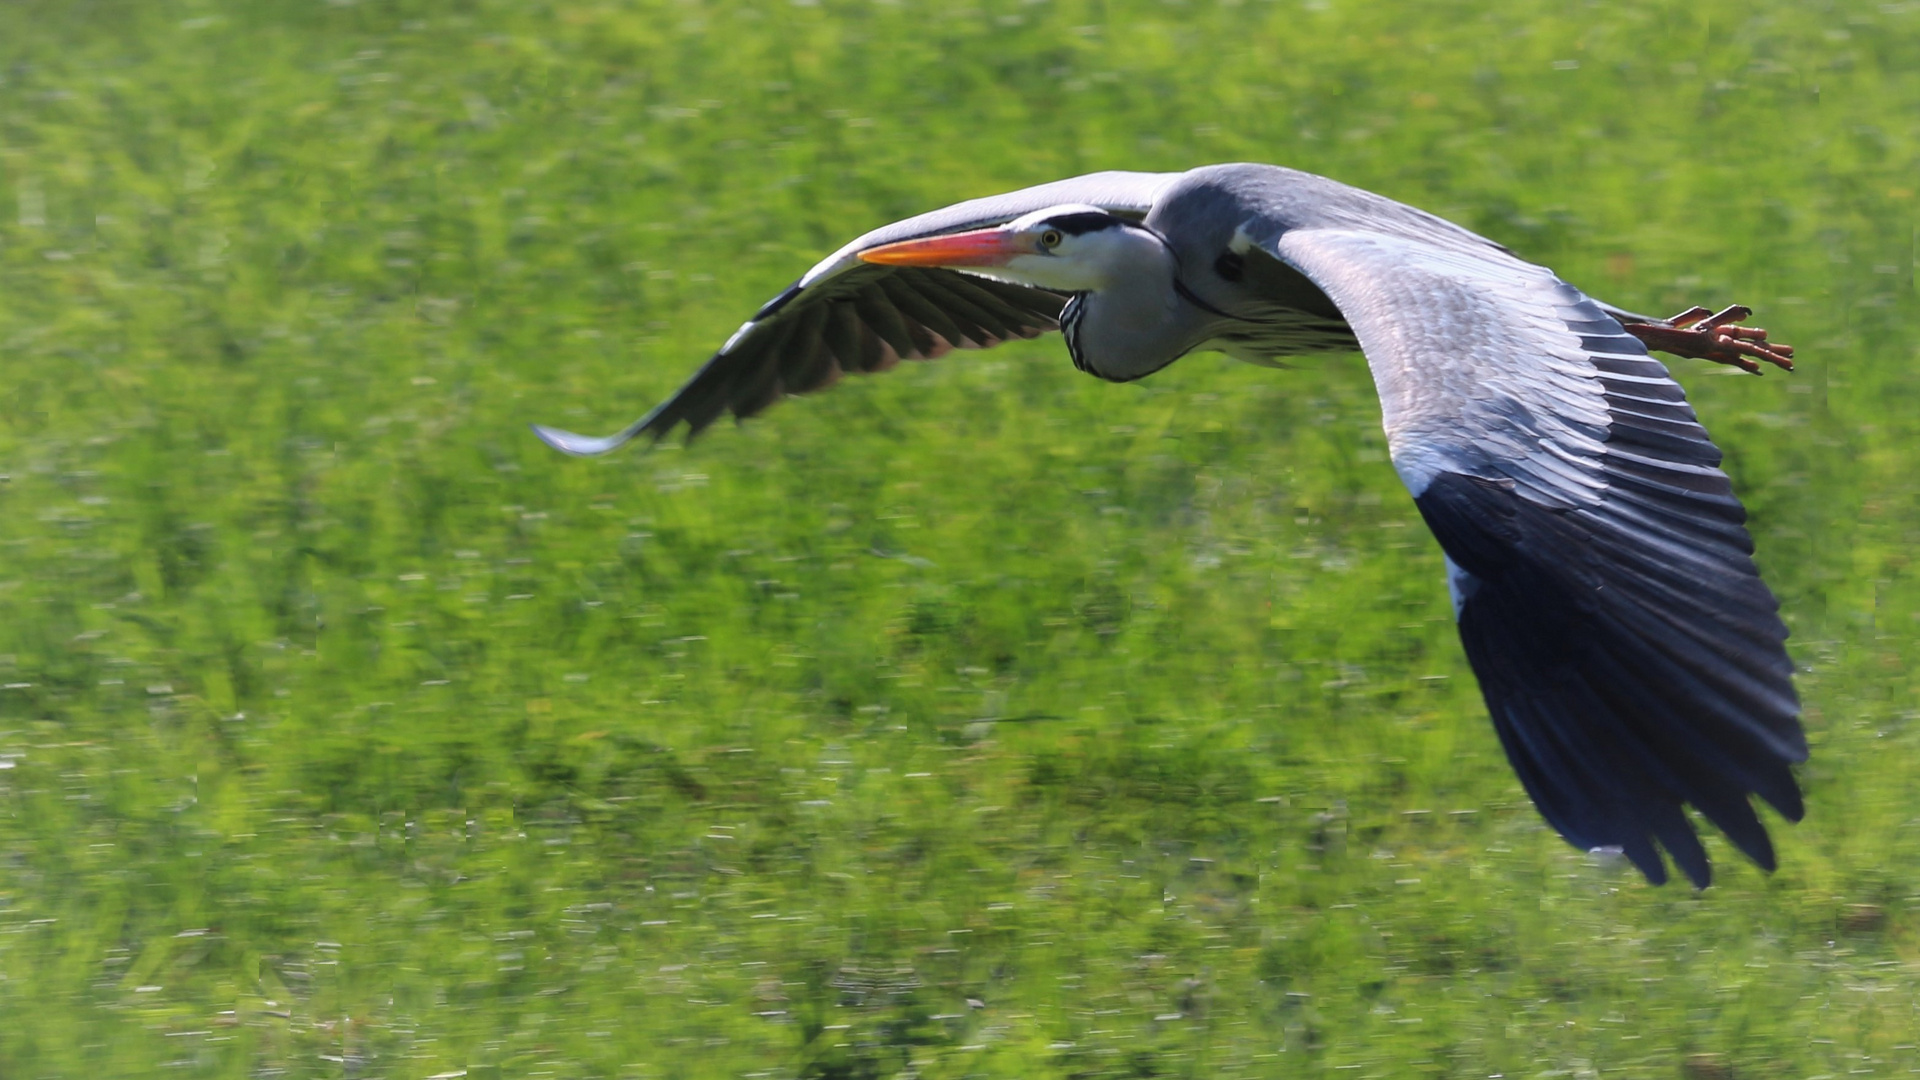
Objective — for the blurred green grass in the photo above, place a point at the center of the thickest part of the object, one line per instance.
(981, 719)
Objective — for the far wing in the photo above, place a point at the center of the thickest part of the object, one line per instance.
(845, 315)
(1631, 657)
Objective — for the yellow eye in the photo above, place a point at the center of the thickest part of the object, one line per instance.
(1050, 238)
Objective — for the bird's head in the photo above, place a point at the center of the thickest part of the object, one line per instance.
(1070, 249)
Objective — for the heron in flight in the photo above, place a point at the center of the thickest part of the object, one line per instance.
(1601, 575)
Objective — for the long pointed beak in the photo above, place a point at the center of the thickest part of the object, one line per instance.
(981, 247)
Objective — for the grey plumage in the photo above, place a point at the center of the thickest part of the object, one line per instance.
(1630, 655)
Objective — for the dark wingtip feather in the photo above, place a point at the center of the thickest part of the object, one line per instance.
(1619, 700)
(1785, 796)
(1682, 843)
(1646, 858)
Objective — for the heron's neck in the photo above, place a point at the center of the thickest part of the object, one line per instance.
(1137, 323)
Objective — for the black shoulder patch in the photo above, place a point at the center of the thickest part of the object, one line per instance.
(1625, 677)
(772, 307)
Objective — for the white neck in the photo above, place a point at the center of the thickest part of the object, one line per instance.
(1130, 320)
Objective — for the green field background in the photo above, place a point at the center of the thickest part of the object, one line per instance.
(977, 720)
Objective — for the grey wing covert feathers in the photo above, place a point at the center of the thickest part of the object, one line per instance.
(1630, 655)
(848, 316)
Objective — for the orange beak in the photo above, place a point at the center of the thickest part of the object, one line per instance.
(981, 247)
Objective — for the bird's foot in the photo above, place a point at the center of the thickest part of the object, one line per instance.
(1717, 336)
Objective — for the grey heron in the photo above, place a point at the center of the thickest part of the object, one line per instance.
(1601, 574)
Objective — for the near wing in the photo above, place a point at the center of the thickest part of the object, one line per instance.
(1630, 655)
(846, 315)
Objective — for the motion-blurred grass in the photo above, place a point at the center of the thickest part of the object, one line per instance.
(977, 720)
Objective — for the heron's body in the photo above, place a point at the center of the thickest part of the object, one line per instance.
(1630, 655)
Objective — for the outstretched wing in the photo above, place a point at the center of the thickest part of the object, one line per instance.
(1602, 575)
(845, 315)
